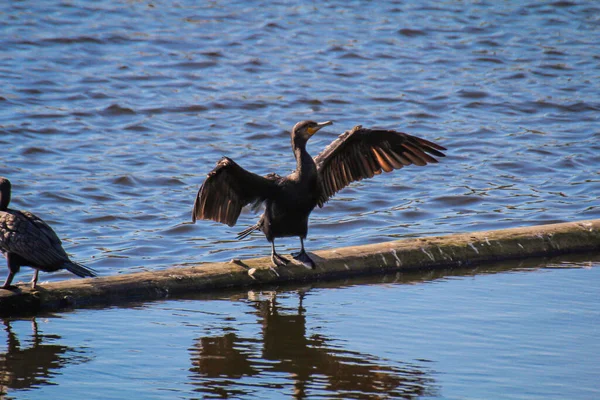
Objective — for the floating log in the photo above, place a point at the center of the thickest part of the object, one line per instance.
(427, 253)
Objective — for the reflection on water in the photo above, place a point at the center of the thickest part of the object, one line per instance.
(460, 333)
(223, 364)
(33, 365)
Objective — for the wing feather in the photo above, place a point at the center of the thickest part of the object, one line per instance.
(27, 235)
(394, 164)
(227, 189)
(362, 153)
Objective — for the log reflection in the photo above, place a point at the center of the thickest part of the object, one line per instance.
(231, 365)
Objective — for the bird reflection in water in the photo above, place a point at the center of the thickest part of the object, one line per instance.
(222, 365)
(35, 365)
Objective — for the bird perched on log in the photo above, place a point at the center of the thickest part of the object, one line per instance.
(288, 201)
(26, 240)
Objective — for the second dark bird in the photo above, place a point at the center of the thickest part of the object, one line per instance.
(26, 240)
(288, 201)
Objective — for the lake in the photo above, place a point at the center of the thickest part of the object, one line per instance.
(112, 114)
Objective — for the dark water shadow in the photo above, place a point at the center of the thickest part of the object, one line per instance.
(35, 364)
(231, 365)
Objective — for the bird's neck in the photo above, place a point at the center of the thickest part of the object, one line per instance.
(4, 201)
(304, 162)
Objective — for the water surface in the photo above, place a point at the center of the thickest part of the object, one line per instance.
(112, 113)
(506, 331)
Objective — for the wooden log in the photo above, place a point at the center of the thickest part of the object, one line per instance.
(437, 252)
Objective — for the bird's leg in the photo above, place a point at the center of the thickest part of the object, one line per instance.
(35, 278)
(303, 257)
(297, 254)
(13, 268)
(278, 260)
(7, 284)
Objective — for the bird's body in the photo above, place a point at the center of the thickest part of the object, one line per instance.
(26, 240)
(286, 213)
(288, 201)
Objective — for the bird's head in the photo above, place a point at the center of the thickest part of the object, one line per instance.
(4, 193)
(303, 130)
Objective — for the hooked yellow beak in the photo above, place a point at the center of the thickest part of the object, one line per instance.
(311, 131)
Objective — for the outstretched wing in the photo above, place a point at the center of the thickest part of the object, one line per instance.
(227, 189)
(361, 153)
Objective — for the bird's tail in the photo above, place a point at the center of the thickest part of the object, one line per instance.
(246, 232)
(80, 270)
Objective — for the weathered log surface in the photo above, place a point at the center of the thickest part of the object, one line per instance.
(402, 255)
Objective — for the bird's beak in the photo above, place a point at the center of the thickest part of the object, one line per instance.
(312, 131)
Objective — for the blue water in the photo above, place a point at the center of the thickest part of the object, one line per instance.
(112, 113)
(491, 333)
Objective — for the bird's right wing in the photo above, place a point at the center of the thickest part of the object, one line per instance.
(227, 189)
(361, 153)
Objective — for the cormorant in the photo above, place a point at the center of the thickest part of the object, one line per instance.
(26, 240)
(288, 201)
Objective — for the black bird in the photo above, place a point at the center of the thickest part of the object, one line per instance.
(356, 154)
(26, 240)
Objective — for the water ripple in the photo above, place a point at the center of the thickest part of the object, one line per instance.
(113, 123)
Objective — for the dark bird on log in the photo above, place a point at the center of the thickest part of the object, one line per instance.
(26, 240)
(288, 201)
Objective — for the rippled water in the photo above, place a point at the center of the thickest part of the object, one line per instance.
(111, 114)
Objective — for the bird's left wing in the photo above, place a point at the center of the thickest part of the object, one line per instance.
(31, 238)
(227, 189)
(361, 153)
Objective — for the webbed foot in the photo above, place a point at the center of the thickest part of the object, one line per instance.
(305, 260)
(278, 260)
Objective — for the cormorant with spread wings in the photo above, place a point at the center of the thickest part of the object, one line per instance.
(288, 201)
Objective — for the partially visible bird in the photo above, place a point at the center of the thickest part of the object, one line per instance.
(288, 201)
(26, 240)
